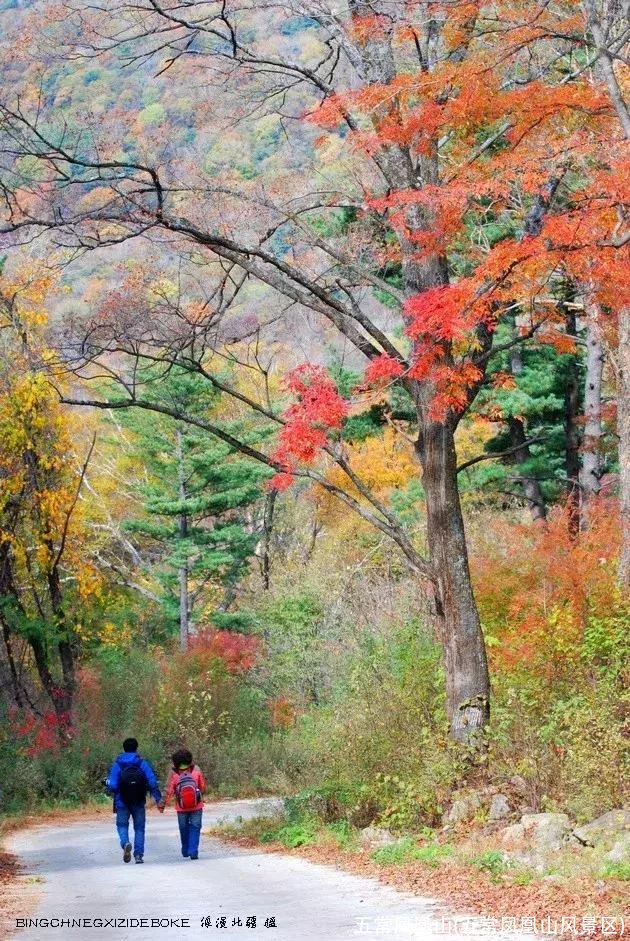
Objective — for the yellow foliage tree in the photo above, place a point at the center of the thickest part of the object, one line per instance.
(43, 570)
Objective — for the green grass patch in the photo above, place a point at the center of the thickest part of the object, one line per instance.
(407, 851)
(522, 877)
(612, 870)
(300, 832)
(341, 833)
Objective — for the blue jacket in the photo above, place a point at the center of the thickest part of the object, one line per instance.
(132, 758)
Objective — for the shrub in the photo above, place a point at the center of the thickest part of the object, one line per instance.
(556, 625)
(383, 736)
(491, 862)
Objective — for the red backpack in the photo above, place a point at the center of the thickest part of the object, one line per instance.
(187, 793)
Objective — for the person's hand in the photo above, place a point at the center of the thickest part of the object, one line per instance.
(160, 806)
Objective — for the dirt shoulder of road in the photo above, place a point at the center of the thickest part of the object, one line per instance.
(462, 892)
(20, 890)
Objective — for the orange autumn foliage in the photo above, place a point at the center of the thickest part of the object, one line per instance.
(548, 128)
(538, 588)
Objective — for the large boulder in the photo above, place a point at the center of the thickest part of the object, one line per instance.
(620, 852)
(499, 807)
(513, 836)
(535, 841)
(373, 837)
(492, 803)
(540, 831)
(519, 785)
(463, 808)
(604, 830)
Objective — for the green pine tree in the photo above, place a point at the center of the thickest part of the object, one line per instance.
(531, 440)
(200, 522)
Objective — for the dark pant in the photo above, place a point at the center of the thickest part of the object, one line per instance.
(190, 831)
(138, 814)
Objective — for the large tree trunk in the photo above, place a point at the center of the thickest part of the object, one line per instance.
(623, 430)
(61, 694)
(466, 667)
(590, 473)
(16, 689)
(571, 432)
(604, 27)
(6, 591)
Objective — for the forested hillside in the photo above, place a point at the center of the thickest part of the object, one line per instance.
(314, 400)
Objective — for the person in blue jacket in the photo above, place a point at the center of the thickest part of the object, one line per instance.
(129, 780)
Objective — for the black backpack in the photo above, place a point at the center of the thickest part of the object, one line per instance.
(132, 785)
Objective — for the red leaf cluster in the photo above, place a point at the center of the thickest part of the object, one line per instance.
(318, 410)
(237, 652)
(382, 370)
(42, 732)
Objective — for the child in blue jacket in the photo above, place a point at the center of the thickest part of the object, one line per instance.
(130, 778)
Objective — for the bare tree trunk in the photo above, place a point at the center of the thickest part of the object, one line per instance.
(184, 602)
(183, 608)
(466, 667)
(571, 432)
(66, 650)
(605, 23)
(270, 503)
(623, 430)
(600, 30)
(591, 446)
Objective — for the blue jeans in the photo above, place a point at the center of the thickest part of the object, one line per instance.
(190, 831)
(138, 815)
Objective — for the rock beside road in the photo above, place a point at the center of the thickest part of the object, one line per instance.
(620, 852)
(606, 829)
(463, 808)
(490, 804)
(499, 807)
(537, 838)
(544, 831)
(374, 837)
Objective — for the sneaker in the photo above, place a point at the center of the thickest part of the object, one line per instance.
(194, 856)
(127, 853)
(138, 859)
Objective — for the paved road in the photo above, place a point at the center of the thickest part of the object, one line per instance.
(84, 877)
